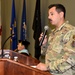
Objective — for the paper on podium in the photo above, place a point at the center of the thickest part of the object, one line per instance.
(33, 66)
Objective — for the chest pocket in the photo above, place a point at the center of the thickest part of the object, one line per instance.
(56, 44)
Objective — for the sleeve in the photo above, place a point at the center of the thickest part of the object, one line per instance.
(67, 61)
(44, 49)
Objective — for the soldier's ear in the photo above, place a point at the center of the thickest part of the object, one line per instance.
(61, 14)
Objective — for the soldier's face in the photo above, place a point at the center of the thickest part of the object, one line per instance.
(54, 17)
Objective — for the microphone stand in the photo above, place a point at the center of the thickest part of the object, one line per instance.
(2, 53)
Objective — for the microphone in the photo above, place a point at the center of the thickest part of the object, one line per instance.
(2, 53)
(45, 28)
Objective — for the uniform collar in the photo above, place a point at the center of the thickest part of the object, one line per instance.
(66, 22)
(23, 51)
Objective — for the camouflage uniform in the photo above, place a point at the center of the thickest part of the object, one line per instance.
(60, 50)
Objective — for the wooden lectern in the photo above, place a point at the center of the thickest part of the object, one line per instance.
(8, 66)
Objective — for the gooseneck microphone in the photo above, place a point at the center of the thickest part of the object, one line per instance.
(42, 39)
(2, 53)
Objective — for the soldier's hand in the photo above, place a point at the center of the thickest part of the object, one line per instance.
(41, 66)
(45, 39)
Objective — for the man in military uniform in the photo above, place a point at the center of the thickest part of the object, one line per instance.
(60, 47)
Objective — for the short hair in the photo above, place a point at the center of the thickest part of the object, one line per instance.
(25, 43)
(59, 8)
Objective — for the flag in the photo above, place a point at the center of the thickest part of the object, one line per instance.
(23, 34)
(37, 29)
(13, 28)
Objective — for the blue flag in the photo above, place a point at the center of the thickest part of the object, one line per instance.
(23, 34)
(13, 28)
